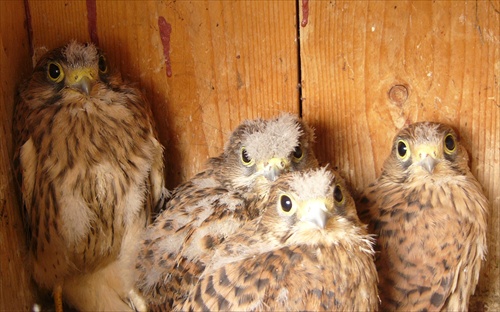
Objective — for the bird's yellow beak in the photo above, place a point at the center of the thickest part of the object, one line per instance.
(426, 156)
(273, 168)
(82, 79)
(314, 212)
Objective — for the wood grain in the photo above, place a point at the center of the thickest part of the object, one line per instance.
(54, 23)
(226, 67)
(229, 60)
(370, 67)
(16, 287)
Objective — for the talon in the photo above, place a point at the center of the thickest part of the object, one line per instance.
(58, 302)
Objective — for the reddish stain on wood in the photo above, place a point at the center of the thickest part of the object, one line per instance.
(305, 13)
(92, 21)
(29, 26)
(165, 31)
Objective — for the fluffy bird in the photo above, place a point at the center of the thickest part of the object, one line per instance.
(208, 208)
(429, 214)
(90, 169)
(308, 251)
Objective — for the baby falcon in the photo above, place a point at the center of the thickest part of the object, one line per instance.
(307, 252)
(216, 202)
(90, 169)
(429, 213)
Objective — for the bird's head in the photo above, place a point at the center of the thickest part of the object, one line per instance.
(311, 205)
(259, 151)
(75, 67)
(426, 149)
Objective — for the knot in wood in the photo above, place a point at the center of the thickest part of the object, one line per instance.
(398, 94)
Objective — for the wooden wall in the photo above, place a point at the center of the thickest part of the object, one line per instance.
(370, 67)
(355, 70)
(16, 290)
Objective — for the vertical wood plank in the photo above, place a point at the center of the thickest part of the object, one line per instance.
(230, 61)
(370, 67)
(54, 23)
(16, 287)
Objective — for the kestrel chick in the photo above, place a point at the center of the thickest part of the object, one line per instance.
(429, 213)
(308, 251)
(260, 150)
(205, 210)
(90, 170)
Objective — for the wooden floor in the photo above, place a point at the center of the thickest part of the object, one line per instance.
(355, 70)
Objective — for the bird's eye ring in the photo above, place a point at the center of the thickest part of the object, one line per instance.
(298, 154)
(403, 150)
(338, 195)
(55, 71)
(449, 144)
(103, 66)
(247, 161)
(286, 205)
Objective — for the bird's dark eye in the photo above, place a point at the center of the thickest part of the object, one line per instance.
(286, 203)
(338, 195)
(297, 153)
(55, 72)
(403, 151)
(245, 158)
(103, 67)
(449, 144)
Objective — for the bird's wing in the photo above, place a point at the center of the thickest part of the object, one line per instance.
(286, 278)
(193, 222)
(25, 160)
(427, 248)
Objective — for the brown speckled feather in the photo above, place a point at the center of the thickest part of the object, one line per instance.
(430, 221)
(207, 209)
(169, 257)
(90, 169)
(308, 251)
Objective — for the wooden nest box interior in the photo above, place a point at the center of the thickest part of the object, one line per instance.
(356, 71)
